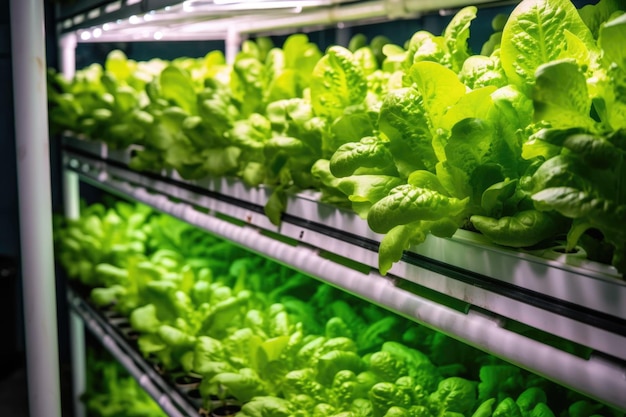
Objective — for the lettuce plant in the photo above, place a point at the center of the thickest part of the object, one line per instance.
(419, 139)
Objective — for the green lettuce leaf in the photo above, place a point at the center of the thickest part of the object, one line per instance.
(424, 47)
(301, 56)
(365, 190)
(396, 241)
(407, 204)
(369, 152)
(613, 86)
(177, 87)
(246, 84)
(480, 71)
(590, 211)
(337, 82)
(534, 35)
(560, 95)
(524, 228)
(439, 86)
(456, 35)
(404, 123)
(594, 15)
(118, 65)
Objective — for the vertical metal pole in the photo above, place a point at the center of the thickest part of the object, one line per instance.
(35, 201)
(79, 363)
(71, 193)
(232, 44)
(71, 206)
(342, 35)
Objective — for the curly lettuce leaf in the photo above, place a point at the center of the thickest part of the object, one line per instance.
(534, 35)
(301, 55)
(456, 35)
(353, 157)
(366, 59)
(279, 82)
(524, 228)
(407, 204)
(177, 87)
(246, 84)
(404, 123)
(560, 95)
(590, 211)
(439, 86)
(475, 143)
(424, 47)
(612, 104)
(594, 15)
(294, 117)
(480, 71)
(337, 82)
(365, 190)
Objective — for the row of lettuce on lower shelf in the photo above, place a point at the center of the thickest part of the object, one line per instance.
(523, 141)
(281, 343)
(110, 391)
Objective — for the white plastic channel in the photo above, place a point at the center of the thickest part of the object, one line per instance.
(34, 195)
(600, 379)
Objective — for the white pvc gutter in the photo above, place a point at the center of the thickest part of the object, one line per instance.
(34, 194)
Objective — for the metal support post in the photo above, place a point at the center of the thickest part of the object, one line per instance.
(35, 202)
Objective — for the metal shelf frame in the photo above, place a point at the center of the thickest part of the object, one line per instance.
(35, 203)
(167, 397)
(232, 21)
(197, 19)
(493, 295)
(560, 310)
(601, 376)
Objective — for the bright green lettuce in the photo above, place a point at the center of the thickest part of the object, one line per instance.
(535, 34)
(408, 203)
(450, 49)
(404, 123)
(337, 82)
